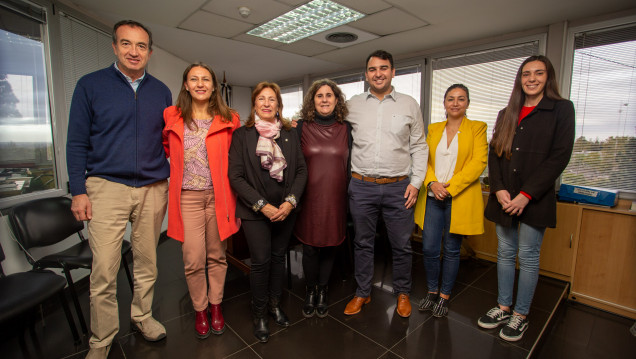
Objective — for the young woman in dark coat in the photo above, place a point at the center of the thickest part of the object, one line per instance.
(530, 148)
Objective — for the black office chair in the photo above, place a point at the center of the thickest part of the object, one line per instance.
(22, 292)
(47, 221)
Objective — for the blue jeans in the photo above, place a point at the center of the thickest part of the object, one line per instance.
(526, 240)
(367, 201)
(437, 225)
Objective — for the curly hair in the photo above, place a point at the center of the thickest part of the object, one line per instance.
(308, 110)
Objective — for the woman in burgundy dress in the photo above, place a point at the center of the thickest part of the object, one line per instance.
(325, 140)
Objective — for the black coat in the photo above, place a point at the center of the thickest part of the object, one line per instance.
(541, 150)
(245, 170)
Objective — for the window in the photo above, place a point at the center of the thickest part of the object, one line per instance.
(84, 49)
(27, 156)
(409, 81)
(603, 90)
(292, 101)
(489, 76)
(350, 85)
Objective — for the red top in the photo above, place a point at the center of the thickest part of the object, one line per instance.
(525, 111)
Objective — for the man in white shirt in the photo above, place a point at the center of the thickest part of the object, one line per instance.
(388, 165)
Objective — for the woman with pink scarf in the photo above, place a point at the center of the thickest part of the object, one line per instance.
(268, 173)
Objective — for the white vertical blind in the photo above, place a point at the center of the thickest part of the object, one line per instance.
(84, 49)
(603, 90)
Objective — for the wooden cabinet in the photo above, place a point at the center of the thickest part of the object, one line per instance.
(559, 244)
(605, 269)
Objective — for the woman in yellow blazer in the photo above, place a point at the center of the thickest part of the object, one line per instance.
(451, 204)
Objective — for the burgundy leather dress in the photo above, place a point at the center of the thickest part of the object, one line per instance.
(323, 216)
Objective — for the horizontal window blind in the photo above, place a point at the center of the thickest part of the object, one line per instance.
(84, 49)
(603, 90)
(489, 76)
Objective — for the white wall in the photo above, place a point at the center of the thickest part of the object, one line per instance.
(168, 68)
(241, 101)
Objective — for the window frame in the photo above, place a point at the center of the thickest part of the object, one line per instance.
(568, 65)
(59, 160)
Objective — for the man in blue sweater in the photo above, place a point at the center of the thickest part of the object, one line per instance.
(118, 174)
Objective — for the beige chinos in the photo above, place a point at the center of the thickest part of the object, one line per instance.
(113, 206)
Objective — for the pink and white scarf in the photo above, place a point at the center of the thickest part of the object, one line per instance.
(272, 158)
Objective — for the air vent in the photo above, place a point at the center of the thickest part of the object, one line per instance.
(341, 37)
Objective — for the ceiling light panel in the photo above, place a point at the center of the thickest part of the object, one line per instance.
(309, 19)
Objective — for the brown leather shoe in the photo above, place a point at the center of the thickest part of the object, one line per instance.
(403, 306)
(355, 305)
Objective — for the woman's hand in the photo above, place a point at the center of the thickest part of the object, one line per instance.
(282, 213)
(269, 211)
(516, 206)
(439, 190)
(503, 197)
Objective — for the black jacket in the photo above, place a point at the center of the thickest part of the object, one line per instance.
(245, 169)
(541, 150)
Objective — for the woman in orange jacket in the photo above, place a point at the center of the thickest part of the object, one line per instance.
(201, 203)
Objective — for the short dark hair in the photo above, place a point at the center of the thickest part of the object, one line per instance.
(132, 23)
(384, 55)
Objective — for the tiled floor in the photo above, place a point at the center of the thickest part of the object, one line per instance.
(576, 331)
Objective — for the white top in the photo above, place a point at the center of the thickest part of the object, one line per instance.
(445, 159)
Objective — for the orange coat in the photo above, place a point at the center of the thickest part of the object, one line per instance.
(217, 143)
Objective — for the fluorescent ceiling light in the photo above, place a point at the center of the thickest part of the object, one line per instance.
(309, 19)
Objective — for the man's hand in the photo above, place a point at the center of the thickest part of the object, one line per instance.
(81, 208)
(411, 196)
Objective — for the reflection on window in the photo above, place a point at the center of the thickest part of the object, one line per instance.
(26, 144)
(603, 90)
(292, 101)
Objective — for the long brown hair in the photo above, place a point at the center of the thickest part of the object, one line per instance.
(216, 105)
(308, 110)
(257, 91)
(506, 125)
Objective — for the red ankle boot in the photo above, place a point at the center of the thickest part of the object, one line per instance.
(218, 323)
(201, 324)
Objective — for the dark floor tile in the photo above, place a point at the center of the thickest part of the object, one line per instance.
(246, 353)
(390, 355)
(378, 320)
(238, 315)
(487, 281)
(548, 293)
(317, 338)
(181, 342)
(471, 270)
(447, 338)
(583, 332)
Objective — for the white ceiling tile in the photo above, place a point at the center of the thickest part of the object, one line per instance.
(307, 47)
(365, 6)
(389, 21)
(216, 25)
(261, 11)
(251, 39)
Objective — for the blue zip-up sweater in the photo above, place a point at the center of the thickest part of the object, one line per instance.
(115, 133)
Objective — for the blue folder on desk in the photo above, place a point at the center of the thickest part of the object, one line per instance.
(588, 195)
